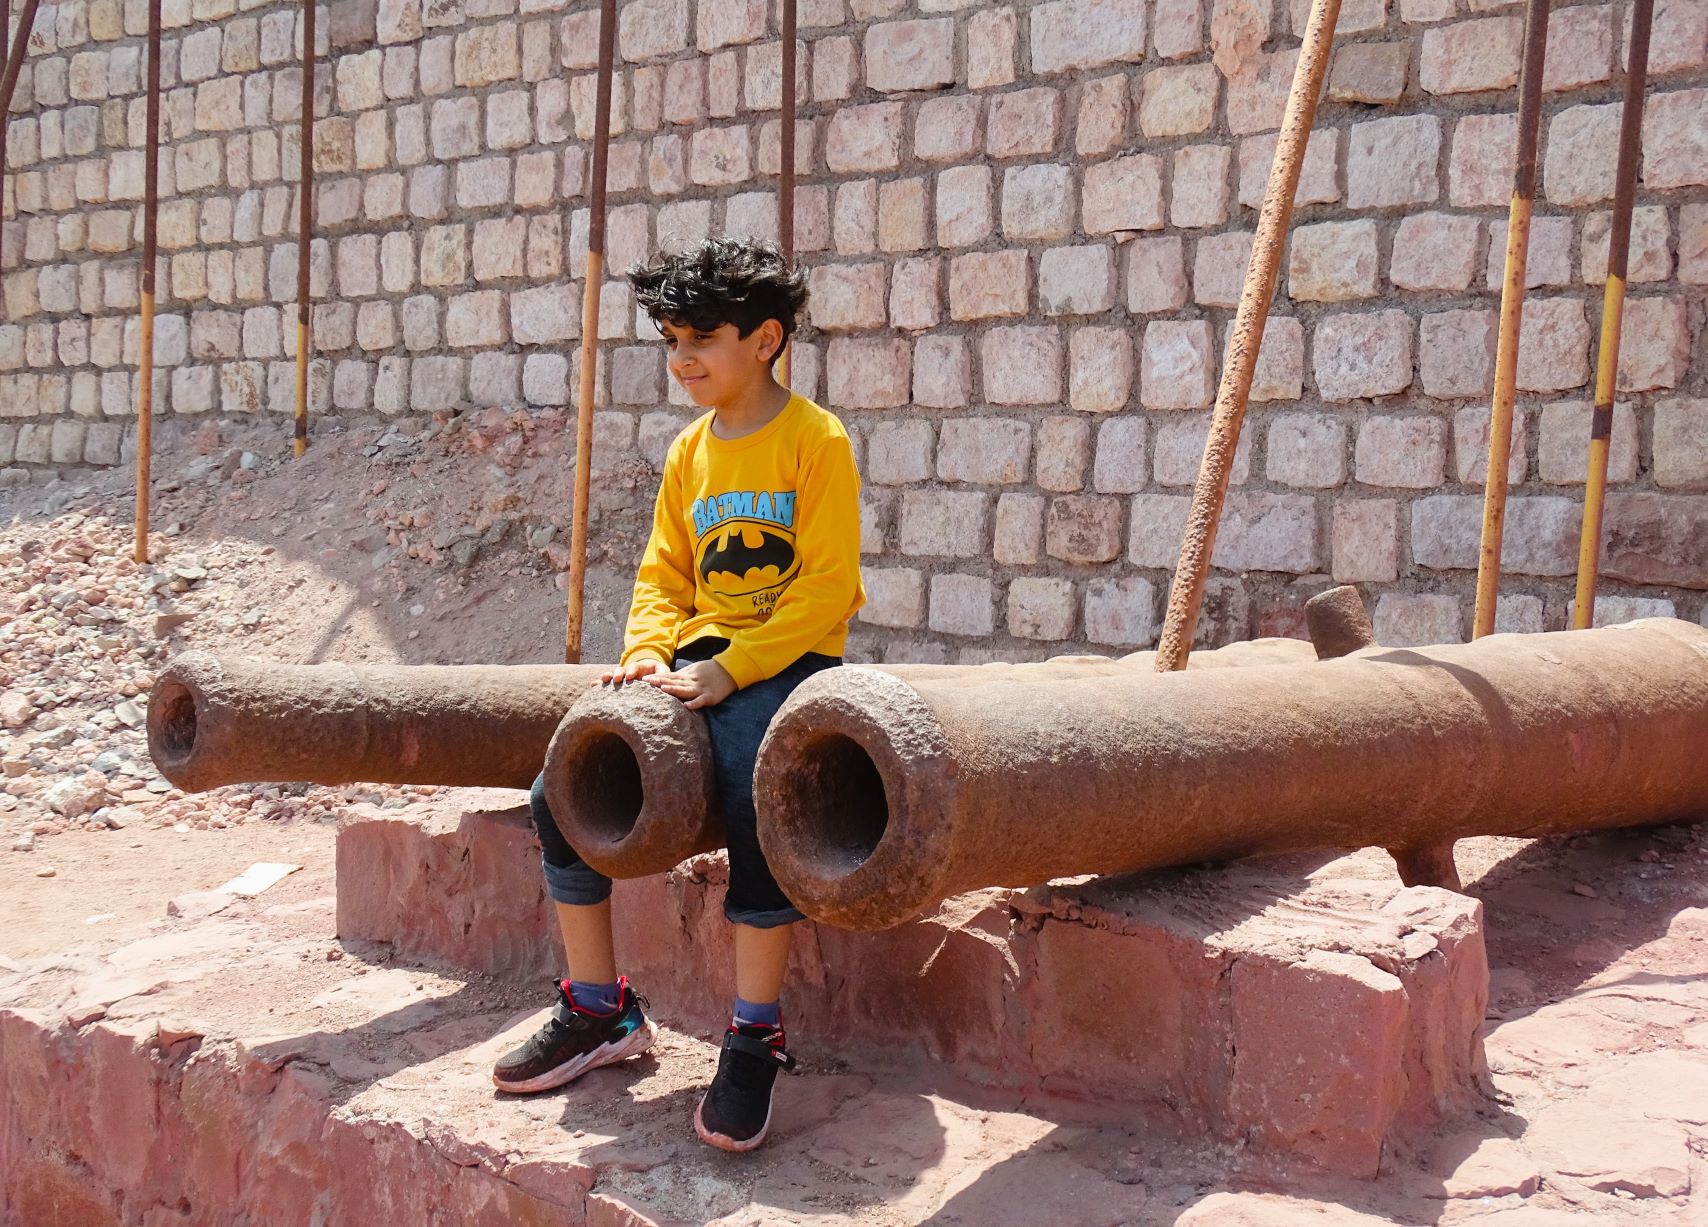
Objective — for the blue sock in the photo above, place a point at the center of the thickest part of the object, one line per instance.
(596, 998)
(757, 1013)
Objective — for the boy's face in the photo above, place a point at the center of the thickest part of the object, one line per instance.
(720, 366)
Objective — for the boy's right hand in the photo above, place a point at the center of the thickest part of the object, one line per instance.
(631, 672)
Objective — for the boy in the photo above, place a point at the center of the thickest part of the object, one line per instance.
(745, 590)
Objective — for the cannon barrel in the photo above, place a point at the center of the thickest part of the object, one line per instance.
(229, 720)
(629, 772)
(882, 791)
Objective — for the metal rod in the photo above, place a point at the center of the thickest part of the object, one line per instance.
(1511, 315)
(5, 124)
(150, 257)
(305, 228)
(590, 336)
(1192, 570)
(786, 177)
(8, 83)
(1612, 313)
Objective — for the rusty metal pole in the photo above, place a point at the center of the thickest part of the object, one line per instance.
(9, 82)
(150, 257)
(590, 336)
(786, 177)
(1511, 315)
(305, 228)
(1612, 312)
(1199, 543)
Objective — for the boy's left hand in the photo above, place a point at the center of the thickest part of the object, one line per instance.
(704, 683)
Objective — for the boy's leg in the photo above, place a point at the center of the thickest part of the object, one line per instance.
(735, 1113)
(598, 1018)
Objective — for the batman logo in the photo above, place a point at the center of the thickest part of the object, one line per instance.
(730, 557)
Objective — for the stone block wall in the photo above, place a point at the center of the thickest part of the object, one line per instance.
(1027, 226)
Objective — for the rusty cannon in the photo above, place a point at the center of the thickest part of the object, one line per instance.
(629, 771)
(881, 792)
(229, 720)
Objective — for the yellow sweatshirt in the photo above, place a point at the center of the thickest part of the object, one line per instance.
(755, 540)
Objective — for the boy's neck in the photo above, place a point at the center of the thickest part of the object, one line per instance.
(755, 409)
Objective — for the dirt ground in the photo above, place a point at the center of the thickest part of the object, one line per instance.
(445, 544)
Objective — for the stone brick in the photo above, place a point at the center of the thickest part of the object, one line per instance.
(983, 285)
(1548, 261)
(1372, 73)
(1471, 446)
(986, 451)
(727, 24)
(915, 294)
(1654, 347)
(1019, 533)
(1657, 539)
(444, 256)
(1178, 453)
(66, 442)
(1267, 532)
(1407, 453)
(1333, 261)
(1480, 168)
(1076, 280)
(903, 215)
(1540, 535)
(942, 372)
(1553, 345)
(649, 29)
(963, 206)
(1041, 608)
(1123, 194)
(487, 54)
(948, 523)
(1306, 450)
(1580, 47)
(948, 129)
(1177, 28)
(545, 379)
(475, 318)
(898, 453)
(1481, 54)
(1681, 443)
(1358, 356)
(910, 55)
(1562, 452)
(895, 596)
(847, 296)
(1393, 162)
(637, 375)
(1063, 449)
(962, 605)
(865, 139)
(868, 373)
(720, 157)
(1219, 268)
(1083, 529)
(1037, 202)
(1023, 123)
(1069, 35)
(1156, 275)
(855, 224)
(1257, 93)
(1100, 369)
(1435, 251)
(376, 326)
(1365, 541)
(993, 35)
(1649, 258)
(1101, 126)
(456, 128)
(1177, 365)
(545, 315)
(1457, 353)
(1405, 621)
(435, 383)
(1582, 150)
(495, 379)
(1675, 139)
(1179, 101)
(1021, 365)
(1121, 612)
(1200, 196)
(1280, 370)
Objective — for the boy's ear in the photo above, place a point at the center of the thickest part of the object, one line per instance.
(770, 334)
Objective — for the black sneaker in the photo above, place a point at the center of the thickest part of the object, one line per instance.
(573, 1041)
(735, 1112)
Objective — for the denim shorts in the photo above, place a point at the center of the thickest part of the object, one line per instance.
(737, 726)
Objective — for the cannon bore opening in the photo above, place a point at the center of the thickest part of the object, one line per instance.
(834, 795)
(606, 788)
(174, 710)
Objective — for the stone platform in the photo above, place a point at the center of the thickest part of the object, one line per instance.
(1278, 1006)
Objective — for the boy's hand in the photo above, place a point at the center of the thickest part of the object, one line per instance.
(631, 672)
(704, 683)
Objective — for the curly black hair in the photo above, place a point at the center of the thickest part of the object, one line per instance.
(721, 281)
